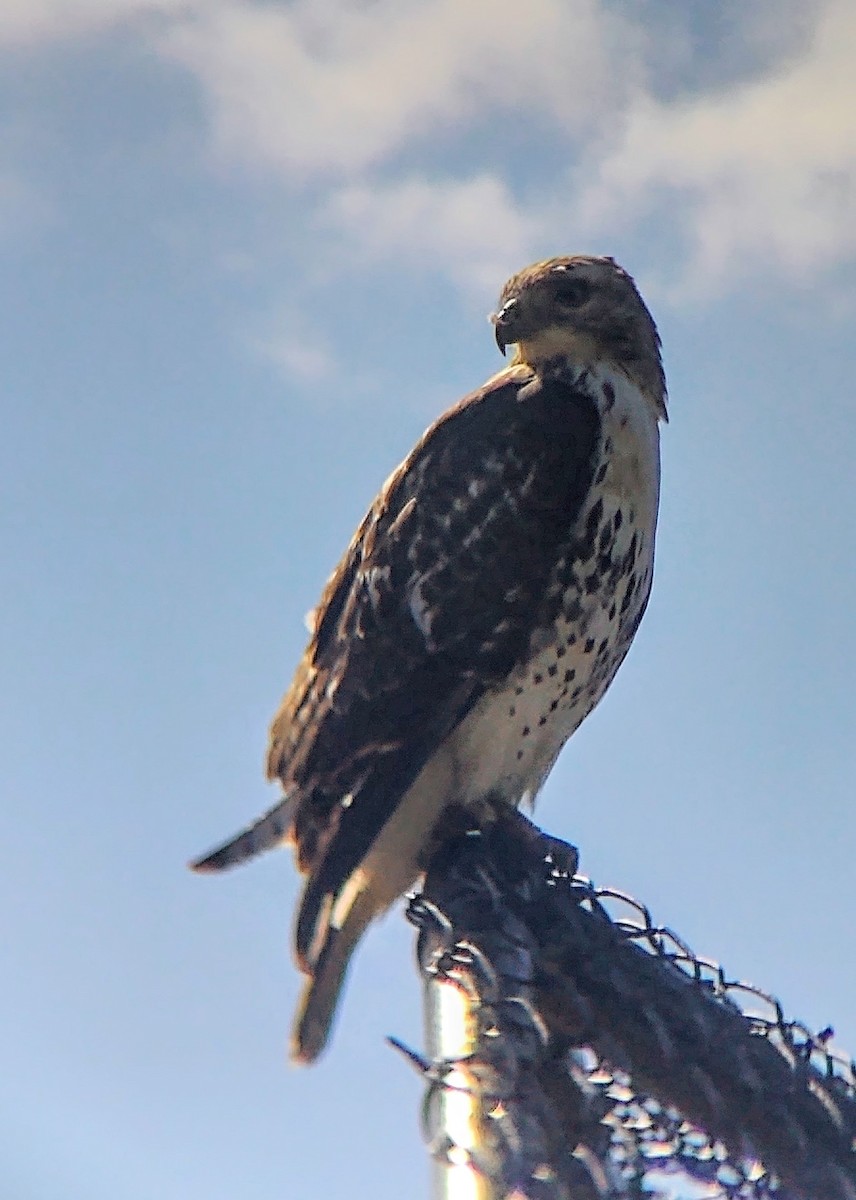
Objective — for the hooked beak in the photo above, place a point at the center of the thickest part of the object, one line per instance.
(503, 323)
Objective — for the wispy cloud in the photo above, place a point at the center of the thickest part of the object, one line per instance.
(762, 174)
(331, 87)
(298, 350)
(32, 22)
(471, 229)
(371, 110)
(307, 360)
(758, 171)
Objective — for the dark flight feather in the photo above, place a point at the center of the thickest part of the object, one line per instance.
(433, 603)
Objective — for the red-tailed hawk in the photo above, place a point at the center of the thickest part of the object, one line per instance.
(479, 614)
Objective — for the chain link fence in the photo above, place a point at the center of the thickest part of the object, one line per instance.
(597, 1056)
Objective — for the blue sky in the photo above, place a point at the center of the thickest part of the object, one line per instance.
(247, 252)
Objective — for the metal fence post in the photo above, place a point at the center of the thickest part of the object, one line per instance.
(578, 1051)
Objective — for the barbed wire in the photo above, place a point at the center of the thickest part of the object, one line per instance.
(605, 1059)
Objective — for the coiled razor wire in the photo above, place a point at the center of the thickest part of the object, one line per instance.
(602, 1057)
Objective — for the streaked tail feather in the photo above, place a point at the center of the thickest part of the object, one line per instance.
(317, 1008)
(265, 833)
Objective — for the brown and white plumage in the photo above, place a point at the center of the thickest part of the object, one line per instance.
(479, 613)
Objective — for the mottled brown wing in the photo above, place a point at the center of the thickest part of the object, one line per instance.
(433, 603)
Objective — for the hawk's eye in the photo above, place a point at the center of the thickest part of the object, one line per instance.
(573, 292)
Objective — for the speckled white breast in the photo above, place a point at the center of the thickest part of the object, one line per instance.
(509, 742)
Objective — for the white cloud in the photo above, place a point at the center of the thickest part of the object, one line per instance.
(471, 229)
(368, 103)
(762, 174)
(298, 351)
(307, 361)
(29, 22)
(764, 171)
(331, 87)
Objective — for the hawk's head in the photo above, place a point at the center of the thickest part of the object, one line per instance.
(584, 308)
